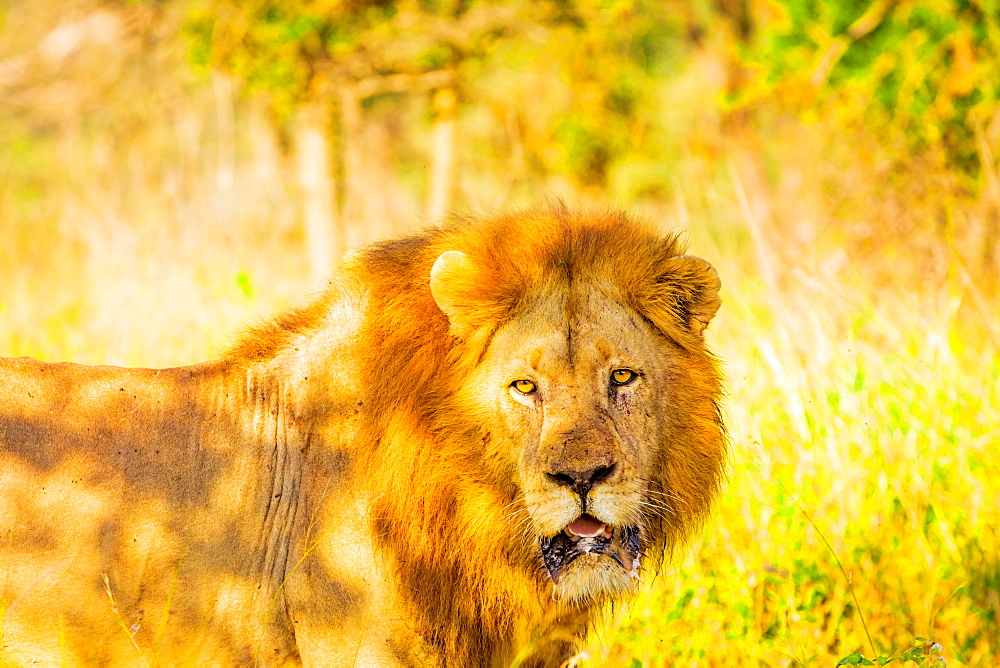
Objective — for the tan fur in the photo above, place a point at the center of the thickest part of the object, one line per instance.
(358, 483)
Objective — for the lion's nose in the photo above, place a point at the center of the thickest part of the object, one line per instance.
(581, 482)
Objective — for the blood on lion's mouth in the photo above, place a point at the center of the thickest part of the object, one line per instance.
(588, 535)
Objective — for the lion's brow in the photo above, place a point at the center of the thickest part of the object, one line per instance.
(571, 310)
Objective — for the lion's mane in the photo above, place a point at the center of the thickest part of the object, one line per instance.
(445, 512)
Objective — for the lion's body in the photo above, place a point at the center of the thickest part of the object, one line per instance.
(358, 483)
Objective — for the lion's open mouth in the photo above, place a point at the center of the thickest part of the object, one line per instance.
(588, 535)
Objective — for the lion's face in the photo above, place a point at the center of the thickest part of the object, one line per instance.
(588, 373)
(576, 387)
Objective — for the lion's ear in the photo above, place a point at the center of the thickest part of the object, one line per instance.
(685, 291)
(452, 286)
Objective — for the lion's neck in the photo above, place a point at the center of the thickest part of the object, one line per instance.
(467, 566)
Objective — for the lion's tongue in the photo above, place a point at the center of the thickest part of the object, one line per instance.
(586, 526)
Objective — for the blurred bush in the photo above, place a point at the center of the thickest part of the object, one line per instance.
(535, 57)
(922, 71)
(870, 127)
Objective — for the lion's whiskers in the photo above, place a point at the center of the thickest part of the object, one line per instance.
(512, 523)
(519, 498)
(514, 508)
(660, 492)
(658, 509)
(521, 524)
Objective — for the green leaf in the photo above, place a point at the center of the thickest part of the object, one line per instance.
(245, 285)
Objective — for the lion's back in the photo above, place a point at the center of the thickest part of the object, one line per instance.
(120, 509)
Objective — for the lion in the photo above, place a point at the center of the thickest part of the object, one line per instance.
(458, 455)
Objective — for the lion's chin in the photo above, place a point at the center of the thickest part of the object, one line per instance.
(594, 561)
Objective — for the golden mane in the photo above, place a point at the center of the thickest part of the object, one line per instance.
(269, 339)
(468, 601)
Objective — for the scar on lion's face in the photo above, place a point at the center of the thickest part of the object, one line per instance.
(575, 382)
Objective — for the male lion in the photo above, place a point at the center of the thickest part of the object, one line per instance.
(471, 442)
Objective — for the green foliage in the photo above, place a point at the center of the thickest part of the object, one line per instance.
(610, 113)
(924, 654)
(292, 49)
(923, 72)
(603, 126)
(595, 117)
(278, 47)
(245, 284)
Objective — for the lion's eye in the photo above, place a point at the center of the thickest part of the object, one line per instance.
(623, 376)
(524, 386)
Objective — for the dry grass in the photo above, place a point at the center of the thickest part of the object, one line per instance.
(146, 216)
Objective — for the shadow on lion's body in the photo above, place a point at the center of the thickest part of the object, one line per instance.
(357, 483)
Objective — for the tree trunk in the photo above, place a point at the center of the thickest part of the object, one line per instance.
(442, 179)
(313, 156)
(351, 137)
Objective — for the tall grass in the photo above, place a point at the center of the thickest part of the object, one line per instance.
(147, 214)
